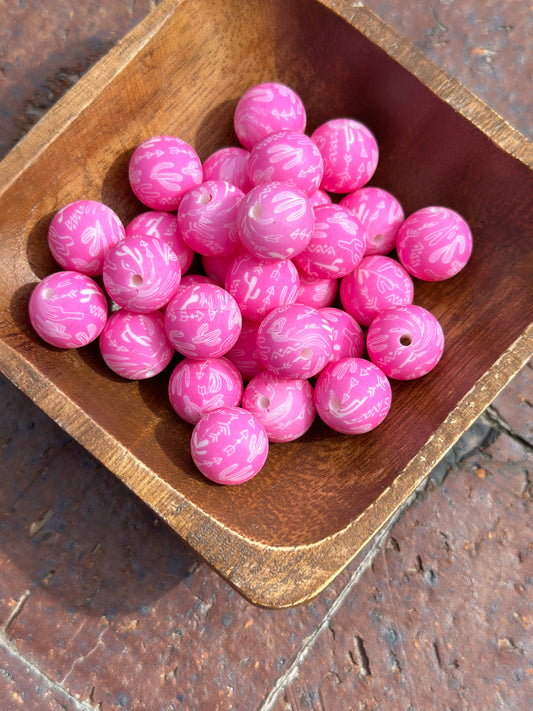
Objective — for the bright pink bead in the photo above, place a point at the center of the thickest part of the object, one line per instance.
(294, 341)
(352, 396)
(141, 273)
(434, 243)
(378, 283)
(381, 215)
(81, 234)
(229, 164)
(164, 226)
(316, 291)
(162, 169)
(229, 445)
(199, 386)
(189, 279)
(320, 197)
(207, 218)
(275, 221)
(266, 108)
(347, 335)
(350, 154)
(285, 406)
(260, 285)
(134, 345)
(406, 342)
(216, 267)
(336, 246)
(244, 353)
(68, 309)
(202, 321)
(287, 157)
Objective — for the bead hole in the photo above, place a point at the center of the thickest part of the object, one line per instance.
(205, 198)
(378, 240)
(136, 280)
(406, 339)
(48, 293)
(256, 211)
(306, 353)
(263, 402)
(335, 404)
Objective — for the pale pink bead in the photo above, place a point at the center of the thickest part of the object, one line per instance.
(229, 445)
(244, 353)
(346, 334)
(275, 221)
(199, 386)
(406, 342)
(285, 406)
(68, 309)
(207, 218)
(141, 273)
(434, 243)
(162, 169)
(216, 267)
(266, 108)
(319, 197)
(352, 396)
(229, 164)
(336, 246)
(202, 321)
(381, 215)
(316, 291)
(135, 346)
(287, 157)
(378, 283)
(259, 285)
(350, 154)
(81, 234)
(164, 226)
(294, 341)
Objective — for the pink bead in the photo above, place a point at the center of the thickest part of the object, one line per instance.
(336, 246)
(141, 274)
(229, 445)
(189, 279)
(216, 267)
(320, 197)
(81, 234)
(294, 341)
(207, 218)
(134, 345)
(68, 309)
(347, 335)
(378, 283)
(406, 342)
(162, 169)
(202, 321)
(350, 154)
(164, 226)
(352, 396)
(381, 215)
(199, 386)
(316, 291)
(259, 285)
(275, 221)
(266, 108)
(244, 353)
(285, 406)
(434, 243)
(287, 157)
(229, 164)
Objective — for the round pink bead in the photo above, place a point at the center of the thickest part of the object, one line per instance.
(189, 279)
(266, 108)
(316, 291)
(320, 197)
(434, 243)
(81, 234)
(162, 169)
(134, 345)
(336, 246)
(350, 154)
(244, 353)
(294, 341)
(381, 215)
(229, 164)
(202, 321)
(229, 445)
(287, 157)
(347, 335)
(378, 283)
(164, 226)
(259, 285)
(141, 273)
(217, 267)
(68, 309)
(406, 342)
(207, 218)
(199, 386)
(275, 221)
(352, 396)
(285, 406)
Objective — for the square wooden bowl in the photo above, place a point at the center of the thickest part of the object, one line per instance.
(283, 536)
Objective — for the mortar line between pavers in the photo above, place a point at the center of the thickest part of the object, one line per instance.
(494, 418)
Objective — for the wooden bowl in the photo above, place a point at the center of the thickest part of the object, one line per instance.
(283, 536)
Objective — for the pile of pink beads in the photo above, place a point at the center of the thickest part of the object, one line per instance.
(305, 304)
